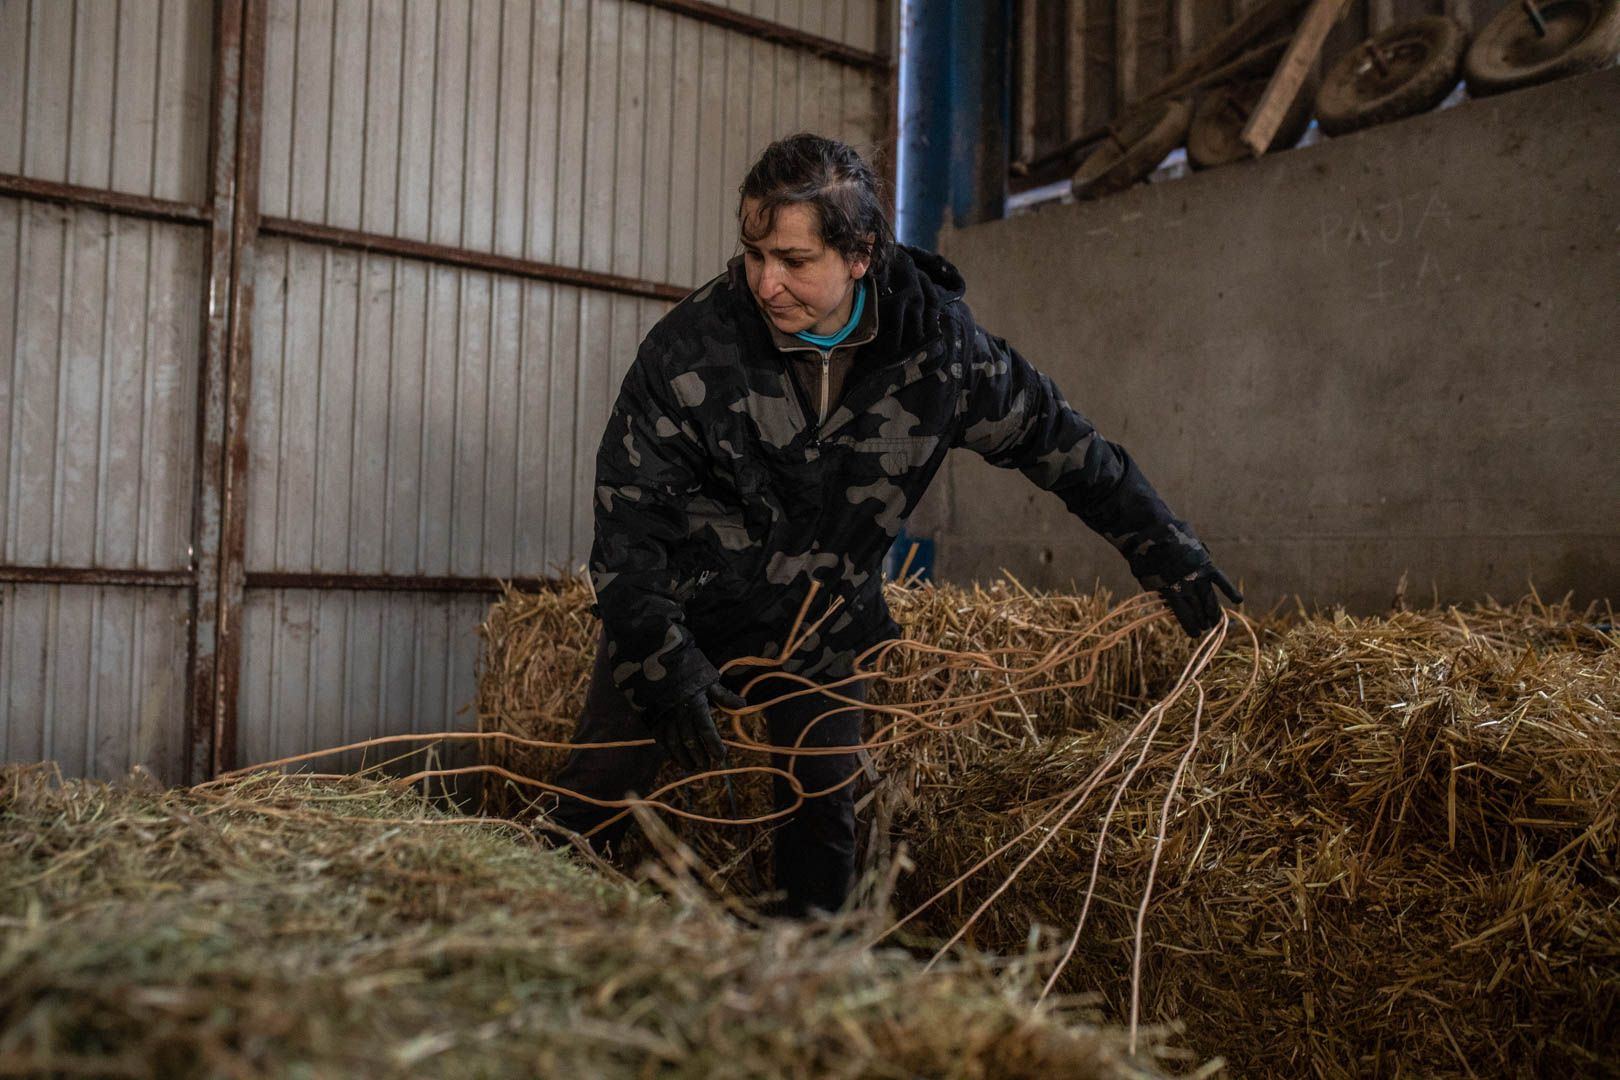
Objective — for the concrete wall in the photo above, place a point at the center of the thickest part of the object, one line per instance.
(1394, 351)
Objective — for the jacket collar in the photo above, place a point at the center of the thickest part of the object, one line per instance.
(865, 332)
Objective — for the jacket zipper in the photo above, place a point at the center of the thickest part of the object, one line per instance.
(826, 362)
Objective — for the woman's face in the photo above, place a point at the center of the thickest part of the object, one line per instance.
(800, 282)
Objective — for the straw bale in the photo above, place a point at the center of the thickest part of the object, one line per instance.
(279, 926)
(1397, 858)
(538, 648)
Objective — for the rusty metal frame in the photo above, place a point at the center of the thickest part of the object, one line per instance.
(228, 446)
(202, 690)
(465, 258)
(95, 575)
(221, 518)
(276, 579)
(115, 202)
(766, 30)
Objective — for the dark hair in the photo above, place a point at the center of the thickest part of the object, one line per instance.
(834, 181)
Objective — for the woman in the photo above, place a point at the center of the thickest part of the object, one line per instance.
(775, 430)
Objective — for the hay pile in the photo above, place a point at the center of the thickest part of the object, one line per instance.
(283, 927)
(1399, 857)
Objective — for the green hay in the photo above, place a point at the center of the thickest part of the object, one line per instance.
(278, 927)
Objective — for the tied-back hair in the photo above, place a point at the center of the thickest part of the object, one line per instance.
(834, 181)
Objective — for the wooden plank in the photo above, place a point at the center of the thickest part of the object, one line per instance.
(1074, 65)
(1127, 49)
(1027, 103)
(1290, 76)
(1184, 14)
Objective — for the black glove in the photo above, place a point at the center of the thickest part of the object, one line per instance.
(685, 728)
(1192, 598)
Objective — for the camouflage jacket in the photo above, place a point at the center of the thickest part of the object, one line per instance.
(719, 497)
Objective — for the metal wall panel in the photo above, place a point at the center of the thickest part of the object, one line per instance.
(417, 419)
(426, 420)
(94, 678)
(603, 134)
(107, 95)
(326, 668)
(851, 22)
(99, 338)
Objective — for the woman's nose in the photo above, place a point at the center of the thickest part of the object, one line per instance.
(770, 281)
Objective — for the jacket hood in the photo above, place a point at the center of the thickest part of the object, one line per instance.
(914, 288)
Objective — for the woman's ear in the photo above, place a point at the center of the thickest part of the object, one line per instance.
(859, 267)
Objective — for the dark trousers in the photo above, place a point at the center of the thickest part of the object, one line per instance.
(814, 854)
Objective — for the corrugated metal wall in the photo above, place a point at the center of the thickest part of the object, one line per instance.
(446, 225)
(415, 420)
(99, 358)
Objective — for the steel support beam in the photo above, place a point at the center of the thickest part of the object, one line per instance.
(115, 202)
(468, 260)
(775, 32)
(224, 120)
(95, 575)
(277, 579)
(222, 515)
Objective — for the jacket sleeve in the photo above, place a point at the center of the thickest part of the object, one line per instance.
(649, 466)
(1016, 418)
